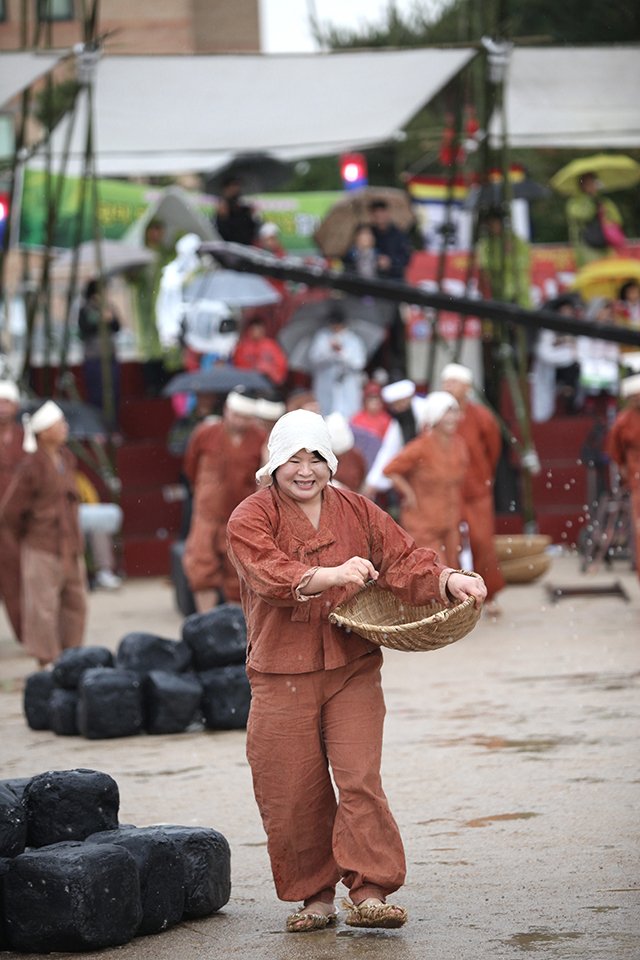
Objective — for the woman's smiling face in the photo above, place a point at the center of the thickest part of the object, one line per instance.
(304, 476)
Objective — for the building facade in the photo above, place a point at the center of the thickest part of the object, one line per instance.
(135, 26)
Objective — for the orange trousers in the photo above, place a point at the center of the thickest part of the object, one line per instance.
(480, 518)
(299, 726)
(10, 579)
(54, 603)
(205, 561)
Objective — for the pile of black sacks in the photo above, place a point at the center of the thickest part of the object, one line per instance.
(152, 684)
(73, 879)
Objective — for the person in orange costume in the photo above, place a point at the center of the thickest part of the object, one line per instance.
(351, 464)
(481, 432)
(428, 474)
(257, 351)
(11, 453)
(42, 509)
(220, 463)
(623, 446)
(301, 547)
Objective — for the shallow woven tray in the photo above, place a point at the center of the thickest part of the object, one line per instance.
(515, 546)
(525, 569)
(381, 617)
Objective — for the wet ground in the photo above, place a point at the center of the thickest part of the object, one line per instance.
(511, 764)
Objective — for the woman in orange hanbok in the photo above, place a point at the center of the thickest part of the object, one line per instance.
(428, 474)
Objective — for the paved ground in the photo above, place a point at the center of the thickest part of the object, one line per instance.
(511, 764)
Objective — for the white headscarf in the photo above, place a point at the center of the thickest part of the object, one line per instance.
(400, 390)
(269, 410)
(44, 417)
(298, 430)
(630, 385)
(456, 371)
(9, 391)
(436, 405)
(342, 438)
(238, 403)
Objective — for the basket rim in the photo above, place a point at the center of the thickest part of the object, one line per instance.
(457, 608)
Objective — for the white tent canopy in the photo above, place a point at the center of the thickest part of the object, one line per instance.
(18, 70)
(170, 114)
(574, 97)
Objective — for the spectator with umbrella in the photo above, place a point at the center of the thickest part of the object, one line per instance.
(391, 243)
(89, 319)
(595, 221)
(234, 220)
(337, 356)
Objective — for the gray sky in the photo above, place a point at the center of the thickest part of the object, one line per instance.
(285, 23)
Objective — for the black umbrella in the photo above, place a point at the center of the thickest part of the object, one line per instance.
(84, 420)
(257, 172)
(220, 379)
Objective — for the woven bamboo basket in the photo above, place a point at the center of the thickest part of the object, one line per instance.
(381, 617)
(525, 569)
(514, 547)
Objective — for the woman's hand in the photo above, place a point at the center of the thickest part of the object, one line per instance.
(460, 586)
(356, 570)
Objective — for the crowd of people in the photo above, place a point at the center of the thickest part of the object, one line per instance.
(582, 374)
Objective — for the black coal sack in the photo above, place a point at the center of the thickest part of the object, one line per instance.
(143, 652)
(13, 823)
(226, 698)
(70, 805)
(217, 638)
(63, 706)
(171, 701)
(72, 663)
(207, 869)
(161, 867)
(17, 785)
(5, 866)
(110, 704)
(37, 690)
(72, 897)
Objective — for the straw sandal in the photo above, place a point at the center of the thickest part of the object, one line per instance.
(373, 913)
(304, 922)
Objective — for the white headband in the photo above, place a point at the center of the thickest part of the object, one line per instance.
(455, 371)
(436, 405)
(245, 406)
(9, 391)
(630, 386)
(400, 390)
(341, 434)
(269, 410)
(45, 417)
(298, 430)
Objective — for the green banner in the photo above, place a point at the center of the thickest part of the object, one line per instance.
(297, 214)
(121, 203)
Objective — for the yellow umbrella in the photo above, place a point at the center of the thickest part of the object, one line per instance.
(614, 171)
(603, 278)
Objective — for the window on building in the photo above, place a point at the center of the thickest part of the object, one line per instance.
(55, 9)
(3, 10)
